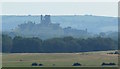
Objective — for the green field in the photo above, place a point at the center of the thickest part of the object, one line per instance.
(58, 59)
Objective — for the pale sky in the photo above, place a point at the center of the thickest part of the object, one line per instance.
(61, 8)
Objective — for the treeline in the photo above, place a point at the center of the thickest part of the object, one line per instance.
(56, 45)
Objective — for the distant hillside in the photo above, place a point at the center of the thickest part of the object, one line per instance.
(46, 30)
(92, 23)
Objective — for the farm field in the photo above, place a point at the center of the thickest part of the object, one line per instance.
(0, 60)
(58, 59)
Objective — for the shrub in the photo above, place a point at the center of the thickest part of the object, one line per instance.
(76, 64)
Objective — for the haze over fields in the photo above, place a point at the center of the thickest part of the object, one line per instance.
(94, 24)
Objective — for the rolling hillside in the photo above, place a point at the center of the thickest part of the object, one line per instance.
(94, 24)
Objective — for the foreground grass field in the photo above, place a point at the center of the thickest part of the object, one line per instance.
(58, 59)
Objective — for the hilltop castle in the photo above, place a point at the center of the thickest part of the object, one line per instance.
(46, 19)
(46, 29)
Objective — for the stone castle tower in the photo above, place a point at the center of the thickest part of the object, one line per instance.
(45, 19)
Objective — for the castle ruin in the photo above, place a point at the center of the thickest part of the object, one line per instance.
(46, 29)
